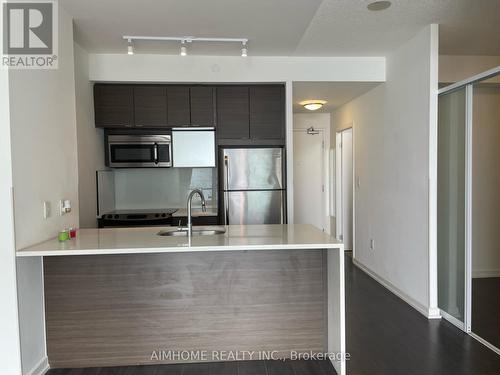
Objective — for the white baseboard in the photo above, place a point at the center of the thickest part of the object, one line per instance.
(41, 368)
(479, 274)
(428, 313)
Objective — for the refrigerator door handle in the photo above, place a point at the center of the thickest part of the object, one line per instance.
(226, 172)
(226, 208)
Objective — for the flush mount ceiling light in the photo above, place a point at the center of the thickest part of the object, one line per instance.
(187, 39)
(313, 105)
(379, 5)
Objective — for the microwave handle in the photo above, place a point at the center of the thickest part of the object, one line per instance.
(155, 153)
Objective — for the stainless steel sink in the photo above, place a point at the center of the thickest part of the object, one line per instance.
(196, 232)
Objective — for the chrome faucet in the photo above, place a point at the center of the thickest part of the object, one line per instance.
(189, 201)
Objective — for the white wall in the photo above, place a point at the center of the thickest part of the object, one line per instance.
(90, 140)
(44, 159)
(391, 131)
(10, 355)
(165, 68)
(455, 68)
(486, 182)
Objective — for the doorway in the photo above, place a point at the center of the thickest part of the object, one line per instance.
(309, 188)
(344, 194)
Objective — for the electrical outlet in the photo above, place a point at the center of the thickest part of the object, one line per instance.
(47, 210)
(372, 244)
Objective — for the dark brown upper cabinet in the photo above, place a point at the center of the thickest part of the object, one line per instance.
(232, 112)
(267, 112)
(114, 106)
(150, 106)
(202, 106)
(243, 114)
(178, 106)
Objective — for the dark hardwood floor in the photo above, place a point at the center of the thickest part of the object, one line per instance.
(387, 336)
(384, 336)
(486, 309)
(220, 368)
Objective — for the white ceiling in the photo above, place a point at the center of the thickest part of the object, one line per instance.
(286, 27)
(335, 94)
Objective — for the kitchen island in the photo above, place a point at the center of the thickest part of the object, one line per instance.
(125, 296)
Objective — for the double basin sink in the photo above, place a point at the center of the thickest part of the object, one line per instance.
(197, 231)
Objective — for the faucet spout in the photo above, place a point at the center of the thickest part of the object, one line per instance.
(189, 204)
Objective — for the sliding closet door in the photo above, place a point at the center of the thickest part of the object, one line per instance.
(451, 215)
(486, 211)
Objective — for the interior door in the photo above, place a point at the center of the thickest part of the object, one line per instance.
(308, 179)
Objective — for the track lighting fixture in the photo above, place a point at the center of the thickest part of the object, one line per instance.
(184, 40)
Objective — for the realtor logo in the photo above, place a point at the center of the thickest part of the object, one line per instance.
(29, 34)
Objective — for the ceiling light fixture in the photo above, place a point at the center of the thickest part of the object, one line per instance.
(379, 5)
(313, 105)
(183, 48)
(130, 47)
(244, 50)
(188, 39)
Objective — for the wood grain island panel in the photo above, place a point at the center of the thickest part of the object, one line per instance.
(109, 310)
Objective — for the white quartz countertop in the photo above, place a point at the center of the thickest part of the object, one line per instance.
(146, 240)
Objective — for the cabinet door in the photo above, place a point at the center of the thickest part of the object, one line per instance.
(232, 112)
(150, 106)
(178, 108)
(267, 112)
(193, 148)
(202, 106)
(114, 106)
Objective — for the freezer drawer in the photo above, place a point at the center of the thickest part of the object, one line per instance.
(254, 207)
(252, 168)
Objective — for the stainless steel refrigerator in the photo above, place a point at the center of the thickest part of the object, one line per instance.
(253, 187)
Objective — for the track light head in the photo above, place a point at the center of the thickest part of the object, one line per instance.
(130, 47)
(183, 48)
(244, 50)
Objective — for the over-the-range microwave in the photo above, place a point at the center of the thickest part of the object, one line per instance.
(138, 150)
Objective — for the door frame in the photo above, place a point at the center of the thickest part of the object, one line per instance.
(325, 203)
(338, 186)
